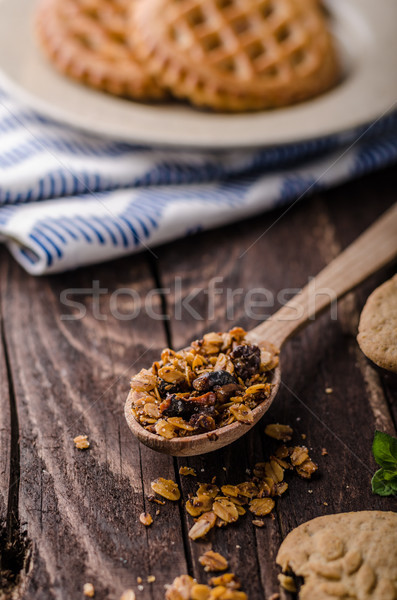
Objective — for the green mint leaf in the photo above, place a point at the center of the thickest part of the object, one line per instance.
(384, 482)
(384, 449)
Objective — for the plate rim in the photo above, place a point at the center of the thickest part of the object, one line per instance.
(174, 138)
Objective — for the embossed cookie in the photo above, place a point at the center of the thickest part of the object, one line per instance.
(377, 331)
(236, 55)
(86, 40)
(348, 555)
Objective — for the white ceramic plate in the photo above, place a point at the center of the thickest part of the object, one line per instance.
(366, 32)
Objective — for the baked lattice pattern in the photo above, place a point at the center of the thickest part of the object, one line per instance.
(86, 39)
(236, 54)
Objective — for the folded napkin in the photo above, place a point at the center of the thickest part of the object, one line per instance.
(69, 199)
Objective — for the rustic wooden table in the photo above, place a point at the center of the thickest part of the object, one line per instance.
(67, 516)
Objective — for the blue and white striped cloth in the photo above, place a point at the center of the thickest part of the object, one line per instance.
(69, 199)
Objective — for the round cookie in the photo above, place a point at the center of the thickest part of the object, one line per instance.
(236, 55)
(377, 331)
(348, 555)
(86, 40)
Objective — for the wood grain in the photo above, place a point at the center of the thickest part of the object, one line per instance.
(81, 509)
(78, 512)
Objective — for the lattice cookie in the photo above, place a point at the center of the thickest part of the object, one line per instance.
(86, 40)
(236, 54)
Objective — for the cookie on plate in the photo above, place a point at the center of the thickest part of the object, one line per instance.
(86, 40)
(348, 555)
(377, 331)
(236, 55)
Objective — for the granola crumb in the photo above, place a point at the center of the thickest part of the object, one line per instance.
(157, 512)
(187, 471)
(303, 436)
(279, 432)
(166, 488)
(140, 588)
(139, 579)
(146, 519)
(238, 546)
(325, 503)
(329, 390)
(324, 452)
(310, 491)
(258, 523)
(152, 498)
(128, 595)
(274, 597)
(287, 582)
(89, 590)
(213, 561)
(151, 579)
(81, 442)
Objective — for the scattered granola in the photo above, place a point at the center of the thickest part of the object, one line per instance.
(279, 432)
(89, 590)
(258, 523)
(261, 506)
(151, 579)
(213, 561)
(166, 488)
(213, 506)
(187, 471)
(216, 381)
(81, 442)
(224, 587)
(145, 519)
(152, 498)
(203, 525)
(328, 390)
(324, 452)
(128, 595)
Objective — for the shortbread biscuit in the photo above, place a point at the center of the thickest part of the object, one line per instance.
(86, 40)
(348, 555)
(377, 331)
(236, 55)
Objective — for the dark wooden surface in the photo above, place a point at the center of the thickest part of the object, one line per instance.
(68, 517)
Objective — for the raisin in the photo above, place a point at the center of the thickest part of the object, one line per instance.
(246, 360)
(225, 392)
(166, 388)
(207, 381)
(203, 422)
(175, 406)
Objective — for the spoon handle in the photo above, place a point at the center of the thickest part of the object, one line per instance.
(368, 253)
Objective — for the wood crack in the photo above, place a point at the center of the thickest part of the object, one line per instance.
(14, 545)
(153, 266)
(168, 334)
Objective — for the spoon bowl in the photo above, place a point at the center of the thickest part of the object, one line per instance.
(204, 442)
(371, 251)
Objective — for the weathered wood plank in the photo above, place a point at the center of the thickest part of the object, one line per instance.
(5, 453)
(81, 508)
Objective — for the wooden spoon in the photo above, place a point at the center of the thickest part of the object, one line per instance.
(372, 250)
